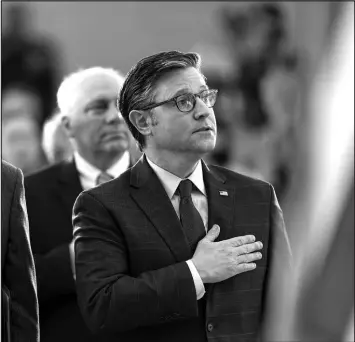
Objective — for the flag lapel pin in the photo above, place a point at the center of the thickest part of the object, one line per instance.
(223, 193)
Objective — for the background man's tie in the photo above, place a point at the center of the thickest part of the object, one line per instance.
(103, 177)
(190, 218)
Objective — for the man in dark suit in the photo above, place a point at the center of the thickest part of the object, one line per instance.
(171, 250)
(100, 139)
(19, 310)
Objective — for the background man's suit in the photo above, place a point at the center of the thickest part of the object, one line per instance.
(50, 196)
(132, 280)
(18, 276)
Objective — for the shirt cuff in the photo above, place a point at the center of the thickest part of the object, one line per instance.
(200, 288)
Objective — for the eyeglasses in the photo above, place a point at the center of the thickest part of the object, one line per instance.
(187, 102)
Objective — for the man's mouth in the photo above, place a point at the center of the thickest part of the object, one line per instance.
(114, 135)
(204, 129)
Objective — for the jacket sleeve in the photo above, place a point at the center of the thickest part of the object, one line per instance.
(110, 298)
(19, 271)
(280, 267)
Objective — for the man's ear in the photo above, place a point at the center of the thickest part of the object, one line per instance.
(140, 120)
(66, 124)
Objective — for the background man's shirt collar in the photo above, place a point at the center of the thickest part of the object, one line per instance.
(88, 173)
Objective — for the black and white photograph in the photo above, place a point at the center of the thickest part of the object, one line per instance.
(177, 171)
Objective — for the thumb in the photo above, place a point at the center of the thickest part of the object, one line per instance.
(213, 233)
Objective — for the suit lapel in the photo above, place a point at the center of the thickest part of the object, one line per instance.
(69, 184)
(220, 202)
(150, 195)
(220, 210)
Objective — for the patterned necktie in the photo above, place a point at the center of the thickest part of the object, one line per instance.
(190, 218)
(103, 177)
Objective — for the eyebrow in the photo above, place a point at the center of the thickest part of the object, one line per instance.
(188, 90)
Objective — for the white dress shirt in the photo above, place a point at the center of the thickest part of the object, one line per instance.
(89, 173)
(199, 198)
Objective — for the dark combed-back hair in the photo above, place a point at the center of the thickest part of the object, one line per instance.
(137, 91)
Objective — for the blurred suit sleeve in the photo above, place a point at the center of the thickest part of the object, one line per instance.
(281, 264)
(19, 276)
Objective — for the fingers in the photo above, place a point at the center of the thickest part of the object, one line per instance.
(244, 268)
(213, 233)
(249, 248)
(240, 240)
(247, 258)
(244, 262)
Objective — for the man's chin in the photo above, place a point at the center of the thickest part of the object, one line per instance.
(203, 147)
(116, 146)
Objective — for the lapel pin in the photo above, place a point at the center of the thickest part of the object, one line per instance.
(223, 193)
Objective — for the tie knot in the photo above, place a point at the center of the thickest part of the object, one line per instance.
(103, 177)
(185, 188)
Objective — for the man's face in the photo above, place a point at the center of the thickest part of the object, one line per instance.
(177, 131)
(94, 122)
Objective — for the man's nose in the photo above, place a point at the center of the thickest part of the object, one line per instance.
(201, 109)
(113, 115)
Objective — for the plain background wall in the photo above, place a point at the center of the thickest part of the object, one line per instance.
(118, 34)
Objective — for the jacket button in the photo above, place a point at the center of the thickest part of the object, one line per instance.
(210, 327)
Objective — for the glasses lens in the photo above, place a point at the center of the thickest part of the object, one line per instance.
(185, 102)
(209, 98)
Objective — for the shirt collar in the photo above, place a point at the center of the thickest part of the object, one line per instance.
(90, 171)
(171, 181)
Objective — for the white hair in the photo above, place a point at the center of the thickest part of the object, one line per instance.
(54, 138)
(68, 88)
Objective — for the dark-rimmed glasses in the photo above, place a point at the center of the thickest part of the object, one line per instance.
(187, 102)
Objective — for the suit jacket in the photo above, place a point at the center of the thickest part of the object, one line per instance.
(20, 320)
(50, 195)
(133, 283)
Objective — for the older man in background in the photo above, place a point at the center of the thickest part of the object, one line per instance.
(100, 141)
